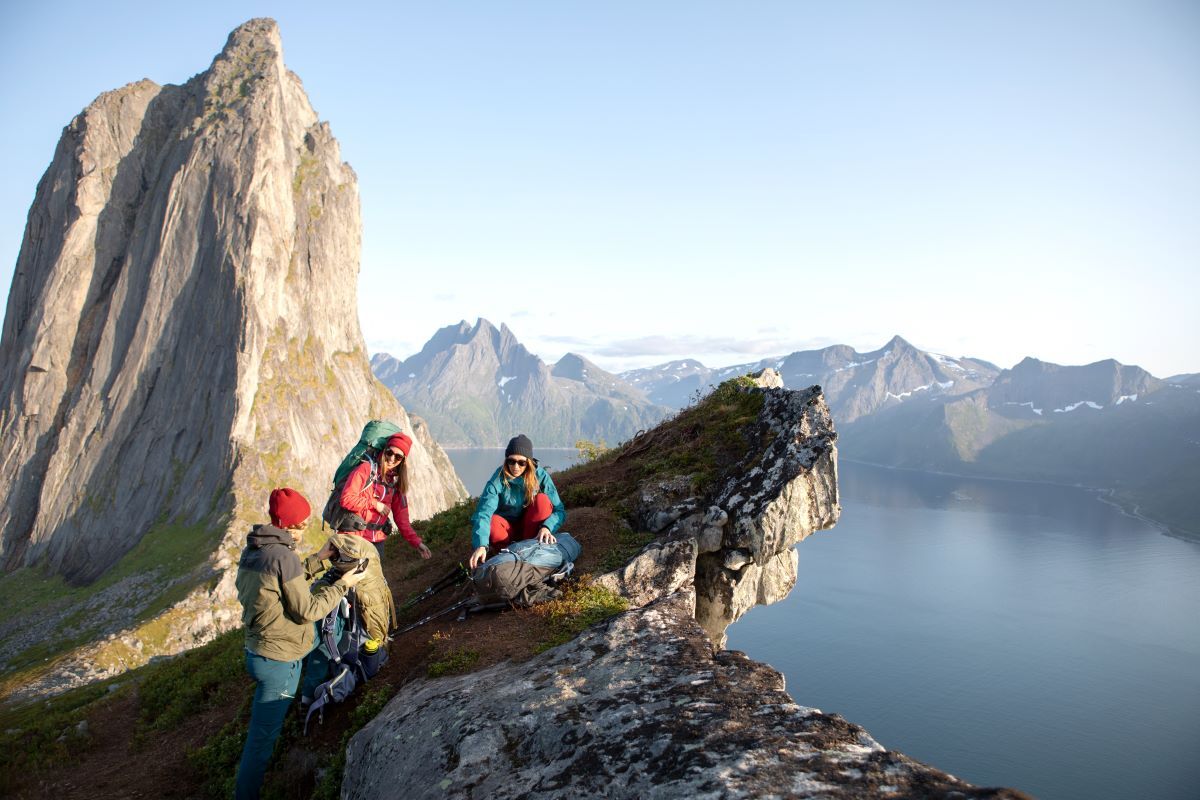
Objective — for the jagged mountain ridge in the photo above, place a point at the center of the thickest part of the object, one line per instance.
(164, 360)
(477, 385)
(1040, 387)
(855, 384)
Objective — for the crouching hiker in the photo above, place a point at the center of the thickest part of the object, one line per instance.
(278, 611)
(518, 502)
(354, 634)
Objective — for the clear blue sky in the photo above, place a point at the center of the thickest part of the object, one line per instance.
(644, 181)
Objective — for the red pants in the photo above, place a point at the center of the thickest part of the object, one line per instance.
(526, 527)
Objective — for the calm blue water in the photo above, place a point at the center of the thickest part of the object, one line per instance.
(1011, 634)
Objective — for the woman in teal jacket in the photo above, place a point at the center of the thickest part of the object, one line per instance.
(519, 501)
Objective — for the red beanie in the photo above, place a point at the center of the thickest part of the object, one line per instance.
(401, 443)
(288, 508)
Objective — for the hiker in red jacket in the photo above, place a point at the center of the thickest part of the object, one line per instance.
(374, 500)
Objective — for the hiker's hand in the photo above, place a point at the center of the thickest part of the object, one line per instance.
(423, 550)
(326, 552)
(478, 557)
(380, 508)
(546, 537)
(351, 578)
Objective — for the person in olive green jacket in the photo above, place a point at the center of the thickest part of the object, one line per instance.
(278, 610)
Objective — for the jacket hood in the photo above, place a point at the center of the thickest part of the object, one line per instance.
(263, 535)
(351, 546)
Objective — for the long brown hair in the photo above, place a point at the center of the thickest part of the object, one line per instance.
(530, 477)
(400, 475)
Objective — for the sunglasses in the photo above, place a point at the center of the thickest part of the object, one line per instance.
(394, 455)
(516, 462)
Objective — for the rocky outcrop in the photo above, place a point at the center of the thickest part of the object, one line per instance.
(640, 706)
(738, 549)
(182, 329)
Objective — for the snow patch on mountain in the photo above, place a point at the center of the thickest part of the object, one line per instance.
(1074, 406)
(909, 393)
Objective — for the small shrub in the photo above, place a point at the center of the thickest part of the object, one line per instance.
(455, 661)
(590, 451)
(582, 605)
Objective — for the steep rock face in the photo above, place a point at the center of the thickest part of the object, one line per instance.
(478, 385)
(738, 549)
(640, 706)
(181, 331)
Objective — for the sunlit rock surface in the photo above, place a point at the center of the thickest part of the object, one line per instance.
(639, 707)
(181, 335)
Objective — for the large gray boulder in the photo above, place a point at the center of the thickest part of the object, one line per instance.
(639, 707)
(182, 332)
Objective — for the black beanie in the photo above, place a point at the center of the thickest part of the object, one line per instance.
(519, 445)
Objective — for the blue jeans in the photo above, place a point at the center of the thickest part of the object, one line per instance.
(275, 691)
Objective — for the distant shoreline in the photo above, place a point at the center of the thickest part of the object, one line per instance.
(1104, 495)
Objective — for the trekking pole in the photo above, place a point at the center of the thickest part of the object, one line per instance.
(433, 616)
(454, 577)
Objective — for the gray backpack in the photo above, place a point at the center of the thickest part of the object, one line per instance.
(526, 572)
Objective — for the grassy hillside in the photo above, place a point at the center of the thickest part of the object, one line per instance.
(182, 721)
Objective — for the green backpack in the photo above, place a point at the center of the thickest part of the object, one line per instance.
(372, 440)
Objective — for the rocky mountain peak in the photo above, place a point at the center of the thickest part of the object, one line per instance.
(182, 333)
(478, 384)
(573, 366)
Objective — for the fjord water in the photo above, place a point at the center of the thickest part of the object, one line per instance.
(1009, 633)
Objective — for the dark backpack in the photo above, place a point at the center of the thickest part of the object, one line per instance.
(371, 441)
(526, 572)
(350, 665)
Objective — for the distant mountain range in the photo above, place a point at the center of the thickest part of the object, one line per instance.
(477, 386)
(1103, 425)
(856, 384)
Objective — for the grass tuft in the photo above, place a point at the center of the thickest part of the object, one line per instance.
(582, 605)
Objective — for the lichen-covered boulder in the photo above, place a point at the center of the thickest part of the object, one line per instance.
(737, 542)
(639, 707)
